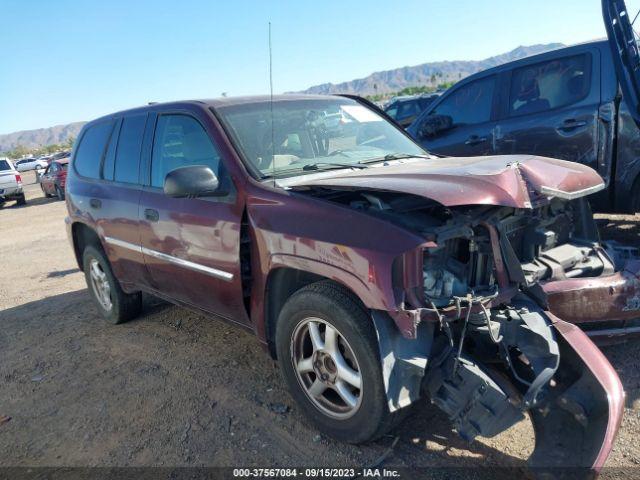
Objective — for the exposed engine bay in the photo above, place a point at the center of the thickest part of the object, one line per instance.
(496, 354)
(557, 240)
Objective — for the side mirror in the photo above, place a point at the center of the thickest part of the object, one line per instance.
(434, 124)
(193, 181)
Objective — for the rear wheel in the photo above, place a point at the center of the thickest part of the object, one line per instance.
(328, 353)
(21, 200)
(113, 303)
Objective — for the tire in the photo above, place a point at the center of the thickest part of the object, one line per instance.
(59, 193)
(333, 306)
(120, 306)
(21, 200)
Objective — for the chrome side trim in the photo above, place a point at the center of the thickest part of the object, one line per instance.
(214, 272)
(123, 244)
(553, 192)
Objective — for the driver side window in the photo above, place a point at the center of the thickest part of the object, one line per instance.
(180, 141)
(469, 104)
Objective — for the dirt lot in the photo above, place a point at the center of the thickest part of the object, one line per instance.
(173, 388)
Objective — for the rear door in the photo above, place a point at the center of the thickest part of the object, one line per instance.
(471, 109)
(111, 204)
(552, 108)
(624, 49)
(191, 246)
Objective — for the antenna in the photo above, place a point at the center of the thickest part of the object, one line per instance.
(273, 142)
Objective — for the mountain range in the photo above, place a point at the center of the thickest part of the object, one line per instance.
(426, 74)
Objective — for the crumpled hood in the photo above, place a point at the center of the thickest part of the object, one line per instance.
(520, 181)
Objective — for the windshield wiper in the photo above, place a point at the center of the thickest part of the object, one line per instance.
(317, 165)
(393, 156)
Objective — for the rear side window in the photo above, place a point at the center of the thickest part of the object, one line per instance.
(4, 165)
(469, 104)
(547, 85)
(127, 161)
(89, 154)
(180, 141)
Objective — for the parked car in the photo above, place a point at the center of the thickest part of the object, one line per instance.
(60, 155)
(565, 104)
(54, 178)
(27, 164)
(10, 183)
(405, 109)
(374, 273)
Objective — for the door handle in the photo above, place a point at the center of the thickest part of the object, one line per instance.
(475, 139)
(151, 214)
(95, 203)
(570, 124)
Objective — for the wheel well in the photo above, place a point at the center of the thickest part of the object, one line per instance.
(281, 284)
(82, 237)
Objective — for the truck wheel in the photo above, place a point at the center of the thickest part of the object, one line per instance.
(21, 200)
(328, 353)
(113, 303)
(59, 193)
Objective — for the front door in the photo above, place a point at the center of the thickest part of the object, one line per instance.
(470, 107)
(191, 246)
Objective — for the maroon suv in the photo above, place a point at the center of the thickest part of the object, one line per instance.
(375, 273)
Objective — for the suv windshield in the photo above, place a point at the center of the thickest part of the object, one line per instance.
(314, 134)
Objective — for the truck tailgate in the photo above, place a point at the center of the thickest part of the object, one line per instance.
(8, 179)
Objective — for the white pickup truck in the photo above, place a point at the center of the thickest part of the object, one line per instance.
(10, 183)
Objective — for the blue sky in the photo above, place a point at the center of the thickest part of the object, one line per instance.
(69, 60)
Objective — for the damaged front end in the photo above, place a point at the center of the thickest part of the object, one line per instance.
(487, 349)
(498, 352)
(482, 325)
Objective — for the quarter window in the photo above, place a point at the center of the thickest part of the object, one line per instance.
(469, 104)
(128, 150)
(547, 85)
(180, 141)
(89, 154)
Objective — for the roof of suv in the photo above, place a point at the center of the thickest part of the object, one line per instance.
(220, 102)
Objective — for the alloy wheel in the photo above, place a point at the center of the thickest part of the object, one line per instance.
(100, 284)
(326, 368)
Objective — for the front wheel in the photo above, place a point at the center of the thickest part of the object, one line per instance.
(113, 303)
(328, 354)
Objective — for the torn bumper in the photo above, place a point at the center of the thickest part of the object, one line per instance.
(604, 307)
(582, 415)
